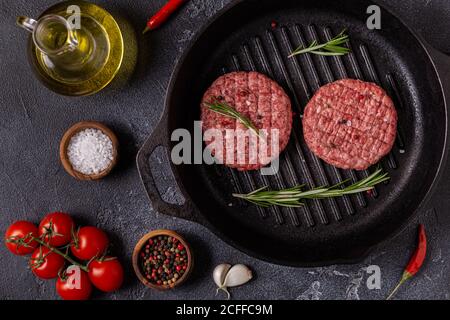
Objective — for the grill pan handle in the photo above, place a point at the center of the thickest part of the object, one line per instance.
(159, 138)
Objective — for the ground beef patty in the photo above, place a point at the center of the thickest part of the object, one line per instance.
(261, 100)
(350, 124)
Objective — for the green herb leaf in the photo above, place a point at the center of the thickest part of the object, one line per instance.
(293, 197)
(334, 47)
(226, 110)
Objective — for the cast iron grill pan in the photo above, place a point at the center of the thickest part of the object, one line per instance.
(341, 230)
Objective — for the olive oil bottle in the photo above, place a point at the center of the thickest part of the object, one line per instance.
(76, 48)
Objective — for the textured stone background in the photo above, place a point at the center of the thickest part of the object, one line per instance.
(33, 119)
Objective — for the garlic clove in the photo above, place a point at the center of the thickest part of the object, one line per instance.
(220, 273)
(238, 275)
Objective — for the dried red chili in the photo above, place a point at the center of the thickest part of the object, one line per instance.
(162, 15)
(416, 261)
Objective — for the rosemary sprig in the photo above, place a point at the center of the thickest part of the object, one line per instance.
(226, 110)
(293, 197)
(334, 47)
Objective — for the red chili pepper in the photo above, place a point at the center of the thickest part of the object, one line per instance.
(416, 261)
(163, 14)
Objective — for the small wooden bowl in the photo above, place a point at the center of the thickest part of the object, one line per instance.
(65, 143)
(136, 257)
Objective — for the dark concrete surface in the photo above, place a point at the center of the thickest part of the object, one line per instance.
(33, 183)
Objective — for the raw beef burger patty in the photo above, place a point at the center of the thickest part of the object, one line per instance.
(258, 98)
(350, 124)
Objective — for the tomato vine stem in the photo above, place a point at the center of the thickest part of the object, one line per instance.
(64, 255)
(29, 239)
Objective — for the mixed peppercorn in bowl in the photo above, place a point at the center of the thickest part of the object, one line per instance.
(162, 260)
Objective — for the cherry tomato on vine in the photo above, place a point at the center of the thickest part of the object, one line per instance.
(46, 264)
(106, 274)
(56, 229)
(17, 238)
(89, 242)
(74, 285)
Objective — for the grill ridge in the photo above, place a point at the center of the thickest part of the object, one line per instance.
(250, 62)
(281, 66)
(344, 74)
(305, 169)
(317, 162)
(294, 218)
(291, 172)
(330, 78)
(376, 79)
(247, 177)
(251, 185)
(399, 102)
(263, 59)
(278, 181)
(357, 70)
(250, 182)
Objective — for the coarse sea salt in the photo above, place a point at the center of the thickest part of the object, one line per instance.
(90, 151)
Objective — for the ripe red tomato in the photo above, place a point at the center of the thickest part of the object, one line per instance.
(21, 230)
(57, 228)
(46, 264)
(106, 275)
(75, 287)
(90, 242)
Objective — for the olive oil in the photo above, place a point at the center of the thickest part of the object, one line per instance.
(78, 60)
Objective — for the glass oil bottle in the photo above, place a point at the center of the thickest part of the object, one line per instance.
(77, 48)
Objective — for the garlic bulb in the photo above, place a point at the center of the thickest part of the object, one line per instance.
(226, 276)
(219, 274)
